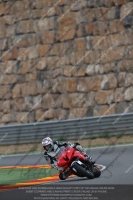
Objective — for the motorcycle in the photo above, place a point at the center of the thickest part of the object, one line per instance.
(73, 162)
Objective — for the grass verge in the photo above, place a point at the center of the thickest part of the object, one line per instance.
(13, 176)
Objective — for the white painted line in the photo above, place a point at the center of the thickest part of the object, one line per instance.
(118, 145)
(22, 154)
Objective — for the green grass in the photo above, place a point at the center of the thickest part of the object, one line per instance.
(93, 137)
(61, 139)
(105, 135)
(12, 176)
(119, 135)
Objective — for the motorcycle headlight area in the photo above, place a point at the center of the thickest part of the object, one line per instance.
(77, 161)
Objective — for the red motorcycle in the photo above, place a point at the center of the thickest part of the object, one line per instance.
(72, 161)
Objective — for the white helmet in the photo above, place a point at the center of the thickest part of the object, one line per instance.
(47, 144)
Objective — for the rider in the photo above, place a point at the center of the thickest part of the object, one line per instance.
(53, 149)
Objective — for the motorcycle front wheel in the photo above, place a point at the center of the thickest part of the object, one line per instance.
(82, 172)
(62, 176)
(96, 172)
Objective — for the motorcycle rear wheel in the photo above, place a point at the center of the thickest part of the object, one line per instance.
(82, 172)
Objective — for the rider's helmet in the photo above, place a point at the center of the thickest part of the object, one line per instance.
(47, 144)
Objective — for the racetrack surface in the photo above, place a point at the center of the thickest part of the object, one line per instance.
(118, 172)
(117, 159)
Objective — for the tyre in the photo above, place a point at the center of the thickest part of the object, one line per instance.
(62, 176)
(96, 172)
(82, 172)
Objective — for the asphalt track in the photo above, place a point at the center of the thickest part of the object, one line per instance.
(117, 159)
(117, 175)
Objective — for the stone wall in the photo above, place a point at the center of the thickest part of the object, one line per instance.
(65, 59)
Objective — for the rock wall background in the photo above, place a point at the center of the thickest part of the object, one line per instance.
(65, 59)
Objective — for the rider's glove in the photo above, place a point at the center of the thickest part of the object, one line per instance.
(75, 144)
(65, 144)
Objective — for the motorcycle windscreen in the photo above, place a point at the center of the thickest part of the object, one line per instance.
(65, 157)
(78, 154)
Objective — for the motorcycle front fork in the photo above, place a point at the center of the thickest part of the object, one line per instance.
(90, 166)
(67, 172)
